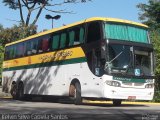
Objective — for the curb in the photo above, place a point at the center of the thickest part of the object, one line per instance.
(7, 97)
(105, 102)
(125, 103)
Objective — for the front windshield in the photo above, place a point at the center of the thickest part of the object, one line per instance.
(129, 60)
(119, 56)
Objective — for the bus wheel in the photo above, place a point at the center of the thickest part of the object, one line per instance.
(14, 91)
(117, 102)
(20, 91)
(75, 92)
(77, 95)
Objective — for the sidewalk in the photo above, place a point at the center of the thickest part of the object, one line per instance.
(4, 95)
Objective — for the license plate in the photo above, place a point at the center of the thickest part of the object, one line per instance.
(131, 97)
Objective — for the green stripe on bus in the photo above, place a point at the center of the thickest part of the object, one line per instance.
(133, 80)
(48, 64)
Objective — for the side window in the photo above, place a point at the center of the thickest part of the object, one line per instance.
(12, 51)
(45, 44)
(9, 52)
(28, 48)
(63, 41)
(20, 50)
(55, 42)
(34, 46)
(76, 39)
(40, 46)
(81, 35)
(71, 38)
(25, 49)
(76, 36)
(6, 56)
(94, 32)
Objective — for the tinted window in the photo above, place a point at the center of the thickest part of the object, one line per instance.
(81, 35)
(45, 44)
(34, 46)
(28, 48)
(12, 53)
(94, 33)
(76, 36)
(55, 42)
(71, 38)
(20, 50)
(6, 57)
(63, 41)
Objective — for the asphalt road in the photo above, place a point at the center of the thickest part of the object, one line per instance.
(39, 110)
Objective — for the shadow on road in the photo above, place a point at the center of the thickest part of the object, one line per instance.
(64, 101)
(86, 111)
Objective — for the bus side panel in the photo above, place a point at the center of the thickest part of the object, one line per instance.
(6, 81)
(55, 80)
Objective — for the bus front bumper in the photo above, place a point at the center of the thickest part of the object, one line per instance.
(128, 93)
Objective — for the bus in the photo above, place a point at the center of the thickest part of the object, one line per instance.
(96, 58)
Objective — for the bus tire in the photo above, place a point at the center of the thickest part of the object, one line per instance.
(14, 91)
(117, 102)
(20, 91)
(77, 95)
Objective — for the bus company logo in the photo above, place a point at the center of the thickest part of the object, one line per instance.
(122, 79)
(16, 61)
(56, 55)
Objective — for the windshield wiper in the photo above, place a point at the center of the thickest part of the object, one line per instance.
(108, 64)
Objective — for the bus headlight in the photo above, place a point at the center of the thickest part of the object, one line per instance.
(113, 83)
(149, 86)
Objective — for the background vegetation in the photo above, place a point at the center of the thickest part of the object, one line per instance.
(150, 15)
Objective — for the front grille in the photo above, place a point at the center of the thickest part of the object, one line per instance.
(138, 84)
(128, 84)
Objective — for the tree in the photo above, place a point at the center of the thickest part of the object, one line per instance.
(1, 53)
(12, 34)
(155, 37)
(16, 33)
(37, 6)
(150, 13)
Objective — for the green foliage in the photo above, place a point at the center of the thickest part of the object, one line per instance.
(156, 96)
(150, 14)
(155, 37)
(16, 33)
(12, 34)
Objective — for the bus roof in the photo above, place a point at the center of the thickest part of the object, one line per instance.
(77, 23)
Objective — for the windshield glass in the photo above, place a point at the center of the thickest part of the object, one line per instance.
(129, 60)
(142, 62)
(119, 56)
